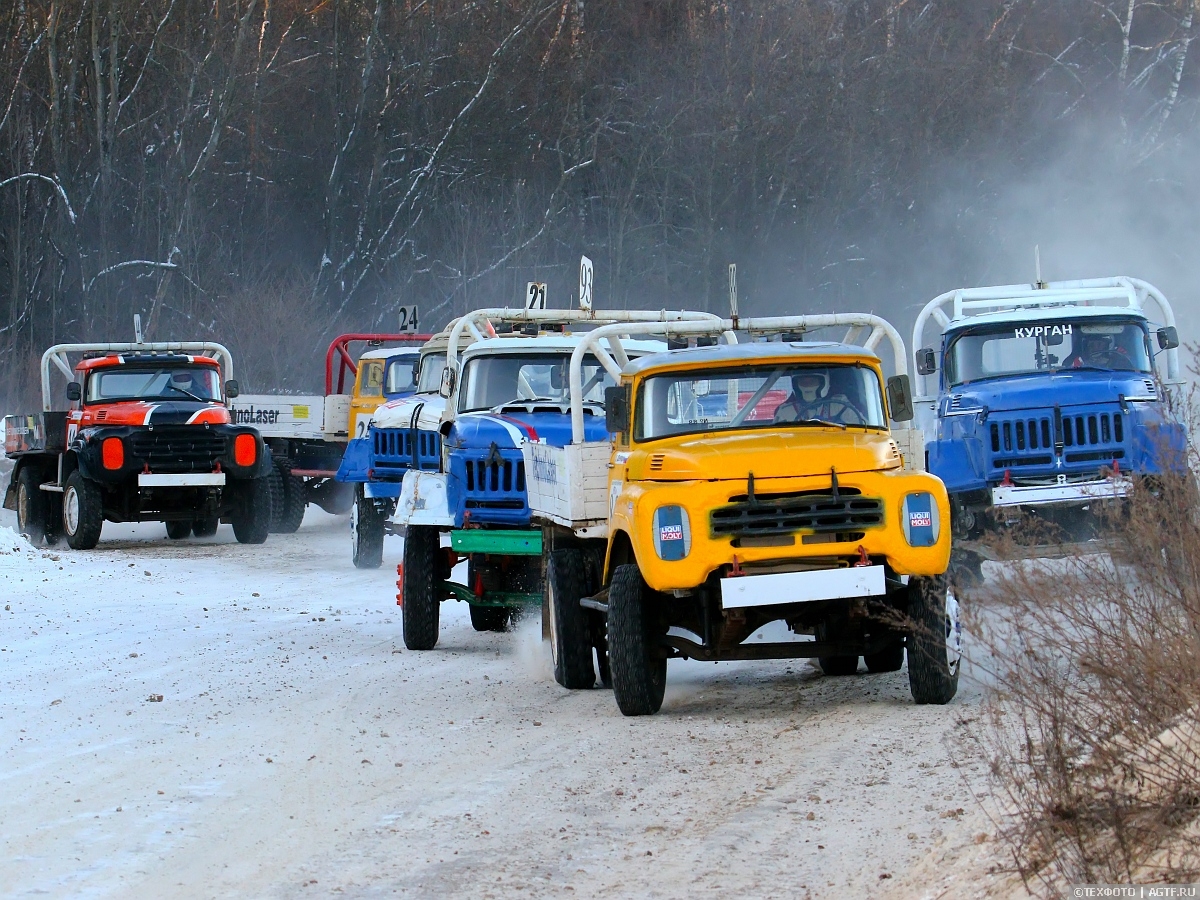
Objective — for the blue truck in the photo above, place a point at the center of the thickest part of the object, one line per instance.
(399, 434)
(505, 391)
(1049, 398)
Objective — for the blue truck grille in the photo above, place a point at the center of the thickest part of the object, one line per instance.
(495, 483)
(397, 449)
(1035, 440)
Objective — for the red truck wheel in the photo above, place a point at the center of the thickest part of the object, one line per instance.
(252, 514)
(83, 512)
(32, 508)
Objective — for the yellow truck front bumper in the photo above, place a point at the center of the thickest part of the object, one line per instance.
(636, 503)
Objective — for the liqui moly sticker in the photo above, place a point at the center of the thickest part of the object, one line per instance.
(670, 533)
(920, 519)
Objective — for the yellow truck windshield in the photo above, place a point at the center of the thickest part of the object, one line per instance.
(768, 395)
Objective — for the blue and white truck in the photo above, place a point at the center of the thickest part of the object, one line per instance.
(398, 435)
(504, 392)
(1040, 402)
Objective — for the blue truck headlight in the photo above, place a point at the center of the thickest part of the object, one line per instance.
(920, 519)
(672, 533)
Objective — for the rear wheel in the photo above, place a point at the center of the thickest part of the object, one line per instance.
(83, 512)
(205, 527)
(889, 659)
(421, 609)
(251, 514)
(490, 618)
(366, 532)
(835, 665)
(33, 510)
(570, 634)
(177, 531)
(966, 569)
(335, 497)
(638, 666)
(935, 642)
(290, 500)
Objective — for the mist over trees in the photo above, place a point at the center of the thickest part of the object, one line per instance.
(270, 172)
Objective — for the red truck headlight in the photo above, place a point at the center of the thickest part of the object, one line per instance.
(112, 453)
(245, 450)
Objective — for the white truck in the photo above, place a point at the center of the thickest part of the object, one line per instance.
(308, 434)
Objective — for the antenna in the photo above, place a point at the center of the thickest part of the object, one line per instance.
(137, 328)
(1037, 265)
(733, 301)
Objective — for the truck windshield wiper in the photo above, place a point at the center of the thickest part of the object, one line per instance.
(825, 422)
(188, 393)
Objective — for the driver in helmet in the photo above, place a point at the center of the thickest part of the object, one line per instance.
(1100, 350)
(813, 397)
(183, 381)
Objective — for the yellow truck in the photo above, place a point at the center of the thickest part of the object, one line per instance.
(748, 484)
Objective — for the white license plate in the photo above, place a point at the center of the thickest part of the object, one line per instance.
(802, 587)
(210, 479)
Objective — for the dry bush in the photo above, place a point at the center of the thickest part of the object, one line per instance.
(1092, 728)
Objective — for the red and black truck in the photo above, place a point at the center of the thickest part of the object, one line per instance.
(147, 437)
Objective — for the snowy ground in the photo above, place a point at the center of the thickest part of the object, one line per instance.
(299, 750)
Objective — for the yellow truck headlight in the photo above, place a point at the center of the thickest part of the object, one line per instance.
(920, 519)
(672, 533)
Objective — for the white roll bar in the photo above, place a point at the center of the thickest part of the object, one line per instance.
(726, 328)
(1120, 290)
(58, 356)
(482, 320)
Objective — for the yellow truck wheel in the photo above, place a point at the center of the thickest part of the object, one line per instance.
(934, 642)
(636, 659)
(835, 666)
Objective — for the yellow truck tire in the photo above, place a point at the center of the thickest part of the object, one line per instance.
(834, 666)
(570, 633)
(890, 659)
(638, 665)
(934, 657)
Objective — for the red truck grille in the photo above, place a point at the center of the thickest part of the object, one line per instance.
(177, 450)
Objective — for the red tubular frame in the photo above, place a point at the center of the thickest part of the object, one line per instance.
(339, 350)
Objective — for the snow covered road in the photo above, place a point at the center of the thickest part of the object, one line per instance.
(299, 749)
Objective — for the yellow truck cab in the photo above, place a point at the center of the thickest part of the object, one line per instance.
(748, 484)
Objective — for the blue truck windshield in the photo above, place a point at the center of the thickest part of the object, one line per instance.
(492, 381)
(1019, 348)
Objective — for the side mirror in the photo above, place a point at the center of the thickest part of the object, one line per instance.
(1053, 340)
(900, 398)
(75, 390)
(231, 389)
(447, 387)
(416, 372)
(616, 409)
(1168, 337)
(926, 361)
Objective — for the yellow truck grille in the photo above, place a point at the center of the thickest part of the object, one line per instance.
(809, 512)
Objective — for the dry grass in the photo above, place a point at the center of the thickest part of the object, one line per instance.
(1092, 729)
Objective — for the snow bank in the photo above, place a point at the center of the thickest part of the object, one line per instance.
(17, 554)
(11, 542)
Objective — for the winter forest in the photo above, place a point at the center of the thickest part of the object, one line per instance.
(268, 173)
